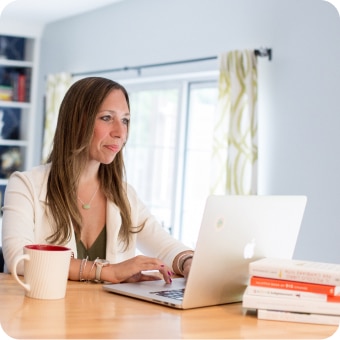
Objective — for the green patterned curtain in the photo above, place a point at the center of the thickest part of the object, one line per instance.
(235, 133)
(57, 85)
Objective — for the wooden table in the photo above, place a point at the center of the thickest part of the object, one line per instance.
(90, 312)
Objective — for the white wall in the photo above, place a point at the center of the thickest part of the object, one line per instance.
(299, 93)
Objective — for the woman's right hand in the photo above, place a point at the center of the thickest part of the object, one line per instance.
(132, 270)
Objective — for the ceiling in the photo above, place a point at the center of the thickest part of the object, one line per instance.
(41, 12)
(45, 11)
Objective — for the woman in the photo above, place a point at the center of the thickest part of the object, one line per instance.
(79, 198)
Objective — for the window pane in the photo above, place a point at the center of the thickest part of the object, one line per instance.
(169, 150)
(150, 151)
(202, 105)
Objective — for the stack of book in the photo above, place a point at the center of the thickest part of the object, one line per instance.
(293, 290)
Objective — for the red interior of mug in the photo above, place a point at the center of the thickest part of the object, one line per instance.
(47, 247)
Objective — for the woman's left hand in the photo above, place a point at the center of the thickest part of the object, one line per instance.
(144, 277)
(141, 268)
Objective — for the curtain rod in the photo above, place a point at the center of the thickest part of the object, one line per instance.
(262, 52)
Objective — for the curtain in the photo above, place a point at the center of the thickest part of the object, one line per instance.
(234, 156)
(57, 85)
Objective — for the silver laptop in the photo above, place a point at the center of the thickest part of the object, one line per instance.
(235, 230)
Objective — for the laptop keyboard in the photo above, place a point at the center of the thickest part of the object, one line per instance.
(176, 294)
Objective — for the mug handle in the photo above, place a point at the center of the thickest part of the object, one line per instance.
(14, 271)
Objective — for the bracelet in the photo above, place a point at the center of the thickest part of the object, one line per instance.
(181, 260)
(94, 263)
(82, 268)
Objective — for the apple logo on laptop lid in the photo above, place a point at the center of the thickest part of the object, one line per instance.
(249, 249)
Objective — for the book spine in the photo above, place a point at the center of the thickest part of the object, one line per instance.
(28, 85)
(294, 273)
(284, 293)
(335, 298)
(15, 85)
(294, 285)
(320, 319)
(22, 88)
(291, 305)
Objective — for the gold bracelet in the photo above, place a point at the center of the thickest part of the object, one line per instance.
(182, 258)
(94, 263)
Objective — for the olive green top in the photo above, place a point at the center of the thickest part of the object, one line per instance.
(97, 250)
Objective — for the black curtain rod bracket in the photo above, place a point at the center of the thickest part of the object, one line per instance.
(264, 52)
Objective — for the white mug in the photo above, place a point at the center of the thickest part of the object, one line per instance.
(45, 271)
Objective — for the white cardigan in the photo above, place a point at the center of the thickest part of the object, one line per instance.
(25, 222)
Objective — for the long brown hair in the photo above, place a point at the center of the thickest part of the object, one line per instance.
(69, 155)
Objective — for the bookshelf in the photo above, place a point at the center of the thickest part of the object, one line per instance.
(17, 113)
